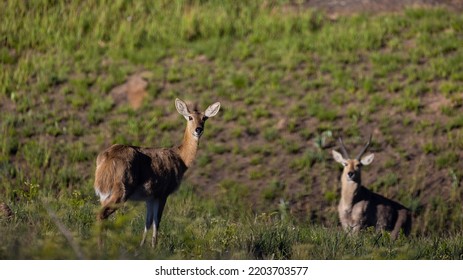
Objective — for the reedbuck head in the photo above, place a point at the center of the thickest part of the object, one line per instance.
(196, 119)
(352, 167)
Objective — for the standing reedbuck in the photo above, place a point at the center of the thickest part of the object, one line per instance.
(148, 174)
(359, 207)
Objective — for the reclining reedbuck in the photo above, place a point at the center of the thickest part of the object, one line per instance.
(148, 174)
(359, 207)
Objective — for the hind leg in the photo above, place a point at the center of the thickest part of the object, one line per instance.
(403, 224)
(108, 206)
(157, 220)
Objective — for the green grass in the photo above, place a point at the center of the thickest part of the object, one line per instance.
(192, 230)
(264, 184)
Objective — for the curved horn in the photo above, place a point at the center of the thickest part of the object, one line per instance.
(343, 149)
(364, 148)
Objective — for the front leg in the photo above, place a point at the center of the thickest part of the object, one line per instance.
(150, 206)
(345, 219)
(358, 218)
(355, 227)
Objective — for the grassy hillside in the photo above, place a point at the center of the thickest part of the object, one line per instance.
(264, 185)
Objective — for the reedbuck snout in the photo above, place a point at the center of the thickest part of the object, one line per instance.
(149, 174)
(359, 207)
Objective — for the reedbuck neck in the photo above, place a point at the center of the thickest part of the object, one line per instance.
(194, 129)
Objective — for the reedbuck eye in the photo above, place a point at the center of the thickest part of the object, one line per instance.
(190, 118)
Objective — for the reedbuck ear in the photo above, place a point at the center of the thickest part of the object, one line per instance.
(338, 157)
(368, 159)
(182, 108)
(212, 110)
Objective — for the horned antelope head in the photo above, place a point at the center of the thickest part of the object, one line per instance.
(352, 167)
(195, 118)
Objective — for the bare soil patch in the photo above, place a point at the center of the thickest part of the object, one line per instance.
(132, 91)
